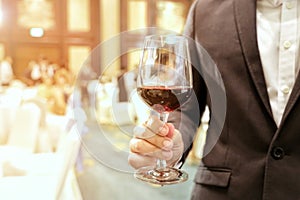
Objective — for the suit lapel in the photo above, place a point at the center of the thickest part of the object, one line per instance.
(292, 100)
(245, 17)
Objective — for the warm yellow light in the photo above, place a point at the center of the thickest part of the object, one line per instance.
(36, 32)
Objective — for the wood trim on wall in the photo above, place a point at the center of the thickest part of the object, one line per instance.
(13, 35)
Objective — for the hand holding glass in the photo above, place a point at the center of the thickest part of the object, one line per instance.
(164, 83)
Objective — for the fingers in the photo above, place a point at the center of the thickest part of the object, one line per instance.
(138, 161)
(146, 146)
(156, 126)
(152, 140)
(157, 140)
(142, 147)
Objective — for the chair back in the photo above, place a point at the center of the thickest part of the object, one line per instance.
(24, 131)
(68, 149)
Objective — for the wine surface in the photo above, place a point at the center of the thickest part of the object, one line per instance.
(164, 99)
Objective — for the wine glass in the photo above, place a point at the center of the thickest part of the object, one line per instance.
(164, 83)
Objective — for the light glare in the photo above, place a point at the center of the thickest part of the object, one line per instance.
(36, 32)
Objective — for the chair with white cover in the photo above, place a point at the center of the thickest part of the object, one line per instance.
(35, 176)
(24, 131)
(68, 148)
(42, 104)
(9, 102)
(43, 143)
(47, 176)
(4, 124)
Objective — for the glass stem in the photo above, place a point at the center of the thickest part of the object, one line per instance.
(162, 164)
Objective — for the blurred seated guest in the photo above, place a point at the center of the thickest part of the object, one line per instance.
(35, 73)
(43, 65)
(62, 89)
(55, 97)
(56, 90)
(51, 69)
(45, 88)
(32, 74)
(64, 79)
(57, 102)
(6, 72)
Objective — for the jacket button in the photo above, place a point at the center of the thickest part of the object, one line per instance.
(277, 153)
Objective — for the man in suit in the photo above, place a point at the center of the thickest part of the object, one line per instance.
(255, 45)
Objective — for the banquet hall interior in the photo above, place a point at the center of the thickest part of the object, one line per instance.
(68, 103)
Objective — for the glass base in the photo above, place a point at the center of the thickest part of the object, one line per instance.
(165, 176)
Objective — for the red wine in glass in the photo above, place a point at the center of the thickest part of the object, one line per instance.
(164, 99)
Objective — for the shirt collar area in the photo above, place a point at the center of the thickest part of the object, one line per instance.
(276, 2)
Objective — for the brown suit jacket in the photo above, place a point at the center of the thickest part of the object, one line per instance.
(252, 158)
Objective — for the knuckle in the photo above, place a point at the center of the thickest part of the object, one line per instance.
(154, 124)
(164, 130)
(157, 141)
(134, 145)
(138, 147)
(132, 161)
(164, 155)
(167, 155)
(139, 131)
(143, 132)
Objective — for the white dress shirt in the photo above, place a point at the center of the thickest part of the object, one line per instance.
(278, 32)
